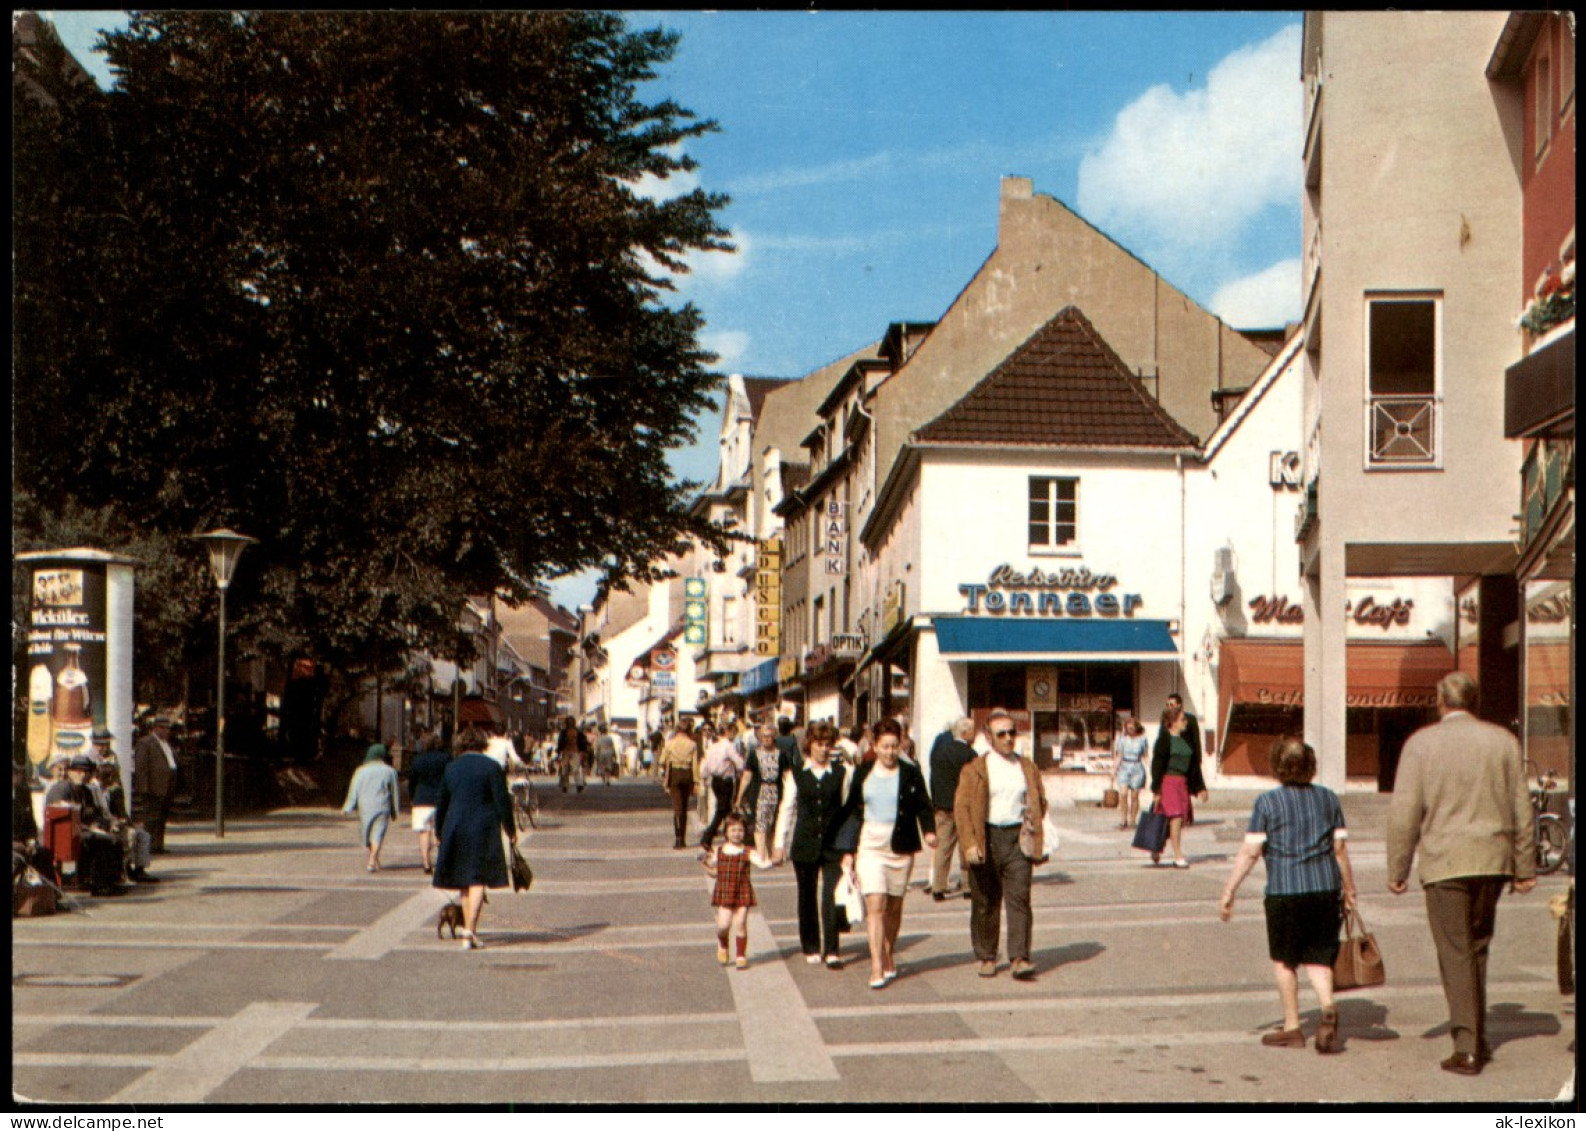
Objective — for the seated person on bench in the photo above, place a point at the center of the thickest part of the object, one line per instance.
(100, 866)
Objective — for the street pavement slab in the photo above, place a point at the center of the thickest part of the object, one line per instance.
(270, 969)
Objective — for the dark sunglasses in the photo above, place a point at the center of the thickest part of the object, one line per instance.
(1003, 733)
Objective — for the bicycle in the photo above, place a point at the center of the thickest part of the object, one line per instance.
(525, 805)
(1552, 834)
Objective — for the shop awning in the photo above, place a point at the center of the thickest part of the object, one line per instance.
(479, 712)
(1001, 638)
(1379, 675)
(761, 677)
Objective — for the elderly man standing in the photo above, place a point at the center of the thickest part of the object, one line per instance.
(996, 795)
(154, 780)
(1461, 798)
(949, 755)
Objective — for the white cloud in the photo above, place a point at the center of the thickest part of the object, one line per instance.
(1265, 300)
(712, 268)
(729, 346)
(1182, 171)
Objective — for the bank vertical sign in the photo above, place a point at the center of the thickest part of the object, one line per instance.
(79, 667)
(768, 599)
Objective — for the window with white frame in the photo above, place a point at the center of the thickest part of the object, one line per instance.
(1403, 381)
(1054, 513)
(1544, 101)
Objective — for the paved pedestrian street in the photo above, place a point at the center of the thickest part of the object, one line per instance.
(270, 969)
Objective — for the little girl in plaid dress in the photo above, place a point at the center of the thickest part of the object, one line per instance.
(734, 894)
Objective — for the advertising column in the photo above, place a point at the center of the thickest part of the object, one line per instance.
(79, 654)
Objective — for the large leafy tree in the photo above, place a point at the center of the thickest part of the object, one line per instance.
(378, 289)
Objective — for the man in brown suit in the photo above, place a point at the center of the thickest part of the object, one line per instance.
(996, 796)
(154, 780)
(1461, 797)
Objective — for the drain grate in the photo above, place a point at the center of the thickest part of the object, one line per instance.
(76, 981)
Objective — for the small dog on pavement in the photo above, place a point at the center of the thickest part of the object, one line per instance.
(451, 916)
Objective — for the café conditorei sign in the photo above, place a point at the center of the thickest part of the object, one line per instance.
(1072, 592)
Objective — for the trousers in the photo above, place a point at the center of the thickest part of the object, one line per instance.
(946, 846)
(680, 785)
(1002, 880)
(722, 790)
(1463, 914)
(818, 930)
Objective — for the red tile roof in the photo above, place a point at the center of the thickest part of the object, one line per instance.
(1064, 387)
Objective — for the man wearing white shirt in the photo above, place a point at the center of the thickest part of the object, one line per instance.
(998, 795)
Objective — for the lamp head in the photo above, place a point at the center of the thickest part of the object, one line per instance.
(225, 547)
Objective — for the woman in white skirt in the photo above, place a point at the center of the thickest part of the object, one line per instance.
(889, 814)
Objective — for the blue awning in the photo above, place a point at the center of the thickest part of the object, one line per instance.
(1009, 638)
(758, 678)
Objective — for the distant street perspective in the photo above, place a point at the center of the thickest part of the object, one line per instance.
(271, 968)
(761, 558)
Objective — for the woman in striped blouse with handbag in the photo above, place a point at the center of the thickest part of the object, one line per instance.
(1299, 829)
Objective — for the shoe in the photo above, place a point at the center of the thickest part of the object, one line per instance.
(1181, 863)
(470, 940)
(722, 956)
(988, 969)
(143, 877)
(890, 976)
(1284, 1038)
(679, 844)
(939, 896)
(1156, 858)
(1462, 1064)
(967, 894)
(833, 962)
(813, 959)
(1327, 1032)
(1023, 969)
(1484, 1053)
(368, 867)
(429, 870)
(742, 963)
(878, 984)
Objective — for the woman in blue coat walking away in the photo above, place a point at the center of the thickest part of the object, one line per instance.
(373, 793)
(473, 812)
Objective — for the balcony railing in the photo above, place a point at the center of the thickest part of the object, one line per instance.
(1403, 430)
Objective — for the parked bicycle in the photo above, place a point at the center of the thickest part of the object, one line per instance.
(525, 805)
(1553, 834)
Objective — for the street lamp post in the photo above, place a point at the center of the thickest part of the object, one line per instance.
(225, 547)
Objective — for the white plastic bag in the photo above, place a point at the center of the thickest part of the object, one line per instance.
(849, 899)
(1049, 838)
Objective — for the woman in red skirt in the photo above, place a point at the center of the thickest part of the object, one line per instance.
(734, 894)
(1176, 773)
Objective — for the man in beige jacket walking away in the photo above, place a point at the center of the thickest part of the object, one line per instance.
(1461, 799)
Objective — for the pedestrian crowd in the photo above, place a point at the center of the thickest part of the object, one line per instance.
(851, 812)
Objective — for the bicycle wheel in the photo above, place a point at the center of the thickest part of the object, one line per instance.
(532, 809)
(1551, 843)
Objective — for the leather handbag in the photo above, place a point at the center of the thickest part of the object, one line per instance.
(1151, 833)
(1359, 963)
(522, 874)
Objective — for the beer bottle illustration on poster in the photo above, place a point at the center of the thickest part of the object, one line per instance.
(66, 653)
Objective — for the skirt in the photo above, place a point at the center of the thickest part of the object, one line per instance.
(1302, 930)
(883, 873)
(765, 808)
(1175, 799)
(423, 817)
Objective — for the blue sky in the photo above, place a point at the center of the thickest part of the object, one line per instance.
(863, 152)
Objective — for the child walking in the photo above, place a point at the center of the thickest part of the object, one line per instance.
(734, 894)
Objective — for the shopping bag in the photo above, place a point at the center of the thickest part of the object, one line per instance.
(1151, 833)
(1359, 963)
(522, 874)
(850, 904)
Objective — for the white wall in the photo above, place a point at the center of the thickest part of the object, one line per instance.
(974, 514)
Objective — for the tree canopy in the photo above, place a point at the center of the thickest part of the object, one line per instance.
(379, 289)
